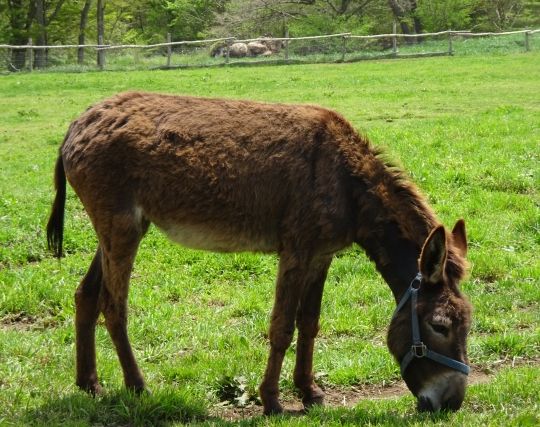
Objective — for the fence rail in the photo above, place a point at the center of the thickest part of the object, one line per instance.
(342, 47)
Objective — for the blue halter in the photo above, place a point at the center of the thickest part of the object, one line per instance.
(418, 348)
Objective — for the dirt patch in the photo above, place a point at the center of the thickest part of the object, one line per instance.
(25, 322)
(351, 396)
(18, 321)
(334, 397)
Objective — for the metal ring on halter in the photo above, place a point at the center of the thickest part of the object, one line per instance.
(419, 350)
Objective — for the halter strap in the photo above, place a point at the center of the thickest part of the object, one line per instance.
(418, 348)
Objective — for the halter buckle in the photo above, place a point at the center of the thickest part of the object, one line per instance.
(419, 350)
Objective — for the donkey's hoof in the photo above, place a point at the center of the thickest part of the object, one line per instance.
(139, 390)
(313, 401)
(315, 397)
(270, 400)
(273, 409)
(94, 389)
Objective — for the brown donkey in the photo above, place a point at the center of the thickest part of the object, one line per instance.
(298, 180)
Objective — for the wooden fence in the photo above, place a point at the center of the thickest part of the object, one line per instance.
(340, 47)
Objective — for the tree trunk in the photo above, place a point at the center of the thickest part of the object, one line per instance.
(399, 13)
(416, 19)
(43, 21)
(100, 31)
(82, 29)
(40, 55)
(20, 20)
(417, 25)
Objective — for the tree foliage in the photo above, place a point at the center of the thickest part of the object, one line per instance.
(439, 15)
(499, 14)
(248, 18)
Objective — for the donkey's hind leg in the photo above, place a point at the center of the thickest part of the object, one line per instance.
(86, 314)
(119, 249)
(307, 322)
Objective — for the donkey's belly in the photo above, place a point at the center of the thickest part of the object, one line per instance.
(218, 239)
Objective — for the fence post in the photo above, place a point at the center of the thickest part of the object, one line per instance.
(169, 50)
(450, 46)
(394, 39)
(527, 34)
(287, 44)
(343, 48)
(227, 51)
(30, 55)
(101, 53)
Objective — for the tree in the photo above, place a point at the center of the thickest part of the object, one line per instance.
(82, 30)
(498, 14)
(346, 7)
(440, 15)
(334, 16)
(21, 14)
(258, 17)
(303, 17)
(100, 31)
(190, 19)
(43, 19)
(404, 14)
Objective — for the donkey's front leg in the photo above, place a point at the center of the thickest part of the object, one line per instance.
(291, 277)
(307, 321)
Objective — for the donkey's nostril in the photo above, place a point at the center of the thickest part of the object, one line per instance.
(425, 404)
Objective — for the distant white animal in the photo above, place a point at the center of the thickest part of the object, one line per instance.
(257, 48)
(238, 50)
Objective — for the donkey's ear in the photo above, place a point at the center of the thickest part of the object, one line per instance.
(460, 237)
(433, 256)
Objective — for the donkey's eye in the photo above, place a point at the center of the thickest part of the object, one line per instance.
(440, 329)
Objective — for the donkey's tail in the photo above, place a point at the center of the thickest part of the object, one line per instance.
(55, 226)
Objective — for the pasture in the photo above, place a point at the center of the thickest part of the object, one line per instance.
(467, 131)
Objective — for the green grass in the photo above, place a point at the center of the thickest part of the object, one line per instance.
(467, 129)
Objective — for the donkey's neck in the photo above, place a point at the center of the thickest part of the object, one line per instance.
(395, 257)
(393, 222)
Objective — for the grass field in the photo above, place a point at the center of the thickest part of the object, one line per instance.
(466, 129)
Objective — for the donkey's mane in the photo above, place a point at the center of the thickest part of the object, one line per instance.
(413, 200)
(402, 201)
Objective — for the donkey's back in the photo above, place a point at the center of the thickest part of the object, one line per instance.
(213, 174)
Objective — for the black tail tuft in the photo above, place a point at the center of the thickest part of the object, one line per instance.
(55, 226)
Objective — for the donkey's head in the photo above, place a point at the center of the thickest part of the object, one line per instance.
(428, 333)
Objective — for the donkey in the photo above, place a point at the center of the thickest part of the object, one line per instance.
(213, 174)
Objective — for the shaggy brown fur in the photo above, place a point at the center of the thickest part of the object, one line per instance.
(230, 175)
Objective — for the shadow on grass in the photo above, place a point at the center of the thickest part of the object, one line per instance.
(179, 407)
(373, 413)
(122, 408)
(337, 416)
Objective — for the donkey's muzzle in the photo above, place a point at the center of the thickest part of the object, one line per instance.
(446, 394)
(426, 404)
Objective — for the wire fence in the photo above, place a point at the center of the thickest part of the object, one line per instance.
(344, 47)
